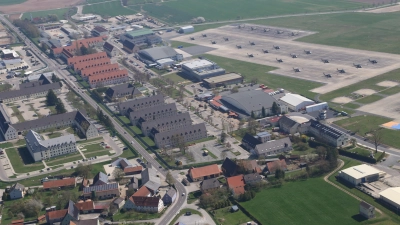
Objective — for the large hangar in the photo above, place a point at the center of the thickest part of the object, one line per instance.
(201, 69)
(391, 196)
(152, 55)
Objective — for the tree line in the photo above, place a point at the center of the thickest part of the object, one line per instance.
(28, 28)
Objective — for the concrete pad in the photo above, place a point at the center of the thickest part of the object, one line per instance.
(389, 107)
(193, 219)
(365, 92)
(342, 100)
(387, 83)
(184, 54)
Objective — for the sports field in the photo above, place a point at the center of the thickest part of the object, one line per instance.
(313, 201)
(107, 9)
(182, 11)
(59, 12)
(11, 2)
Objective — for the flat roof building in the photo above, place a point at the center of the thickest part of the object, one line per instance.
(360, 174)
(391, 196)
(223, 80)
(296, 102)
(201, 69)
(155, 54)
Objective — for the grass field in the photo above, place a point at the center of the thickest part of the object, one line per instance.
(369, 99)
(225, 217)
(182, 11)
(391, 91)
(59, 12)
(11, 2)
(64, 159)
(22, 161)
(351, 105)
(304, 202)
(252, 70)
(363, 124)
(108, 9)
(177, 78)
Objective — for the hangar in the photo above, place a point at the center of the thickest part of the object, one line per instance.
(250, 101)
(391, 196)
(296, 102)
(223, 80)
(152, 55)
(360, 174)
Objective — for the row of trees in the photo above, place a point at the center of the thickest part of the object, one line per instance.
(52, 100)
(29, 29)
(104, 119)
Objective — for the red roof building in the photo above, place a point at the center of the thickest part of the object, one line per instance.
(278, 164)
(142, 192)
(132, 170)
(88, 42)
(93, 71)
(104, 79)
(85, 207)
(68, 182)
(236, 184)
(90, 64)
(205, 172)
(85, 58)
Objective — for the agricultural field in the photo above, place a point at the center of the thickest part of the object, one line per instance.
(107, 9)
(313, 201)
(59, 12)
(11, 2)
(182, 11)
(252, 70)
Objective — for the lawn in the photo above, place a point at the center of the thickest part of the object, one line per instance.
(98, 139)
(6, 145)
(91, 148)
(177, 78)
(391, 91)
(11, 2)
(225, 217)
(193, 196)
(18, 114)
(252, 70)
(54, 135)
(363, 124)
(366, 84)
(99, 153)
(182, 11)
(108, 9)
(351, 105)
(59, 12)
(22, 161)
(97, 1)
(125, 119)
(136, 129)
(130, 215)
(64, 159)
(135, 2)
(303, 202)
(369, 99)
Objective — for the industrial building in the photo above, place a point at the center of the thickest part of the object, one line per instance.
(391, 196)
(296, 102)
(141, 36)
(186, 29)
(328, 134)
(99, 31)
(201, 69)
(223, 80)
(360, 174)
(157, 54)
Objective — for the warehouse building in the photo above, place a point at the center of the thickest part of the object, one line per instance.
(223, 80)
(99, 31)
(328, 134)
(296, 102)
(360, 174)
(152, 55)
(391, 196)
(201, 69)
(186, 29)
(141, 36)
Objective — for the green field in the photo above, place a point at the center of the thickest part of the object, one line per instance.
(108, 9)
(136, 2)
(252, 70)
(369, 99)
(363, 124)
(391, 91)
(64, 159)
(225, 217)
(182, 11)
(313, 201)
(177, 78)
(351, 105)
(59, 12)
(11, 2)
(22, 161)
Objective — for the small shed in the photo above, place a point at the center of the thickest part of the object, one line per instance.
(234, 208)
(367, 210)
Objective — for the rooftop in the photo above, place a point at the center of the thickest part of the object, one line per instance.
(393, 194)
(247, 101)
(223, 78)
(360, 171)
(100, 188)
(38, 143)
(236, 183)
(295, 99)
(204, 171)
(140, 32)
(195, 64)
(59, 183)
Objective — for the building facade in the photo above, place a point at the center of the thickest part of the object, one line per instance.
(126, 107)
(110, 49)
(108, 78)
(153, 113)
(328, 134)
(166, 123)
(184, 134)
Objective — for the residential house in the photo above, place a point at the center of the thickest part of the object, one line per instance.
(169, 196)
(123, 91)
(210, 185)
(204, 173)
(134, 184)
(144, 204)
(62, 183)
(100, 179)
(122, 163)
(17, 191)
(119, 203)
(236, 184)
(126, 107)
(150, 174)
(186, 134)
(133, 170)
(295, 123)
(274, 147)
(110, 49)
(85, 207)
(64, 216)
(152, 186)
(143, 192)
(164, 124)
(153, 113)
(104, 191)
(250, 166)
(229, 167)
(278, 164)
(328, 134)
(252, 178)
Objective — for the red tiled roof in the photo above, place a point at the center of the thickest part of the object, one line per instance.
(78, 43)
(91, 64)
(278, 164)
(85, 58)
(17, 221)
(101, 205)
(57, 214)
(108, 76)
(146, 201)
(92, 71)
(132, 169)
(215, 103)
(142, 192)
(236, 183)
(204, 171)
(85, 206)
(218, 97)
(42, 217)
(59, 183)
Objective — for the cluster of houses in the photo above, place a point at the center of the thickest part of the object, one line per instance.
(161, 121)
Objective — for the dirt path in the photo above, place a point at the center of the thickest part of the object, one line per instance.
(326, 179)
(394, 8)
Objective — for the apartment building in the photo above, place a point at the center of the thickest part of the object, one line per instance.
(108, 78)
(86, 58)
(125, 108)
(153, 113)
(184, 134)
(163, 124)
(93, 71)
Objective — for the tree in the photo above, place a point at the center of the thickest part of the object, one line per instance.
(321, 151)
(223, 137)
(252, 126)
(235, 89)
(241, 123)
(84, 50)
(118, 174)
(83, 170)
(51, 98)
(179, 142)
(60, 108)
(275, 108)
(263, 113)
(169, 178)
(376, 137)
(33, 207)
(252, 115)
(97, 96)
(279, 174)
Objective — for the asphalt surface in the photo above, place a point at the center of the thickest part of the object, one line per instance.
(52, 65)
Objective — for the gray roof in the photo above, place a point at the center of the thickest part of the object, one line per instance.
(17, 186)
(118, 200)
(171, 192)
(12, 61)
(108, 46)
(150, 174)
(157, 53)
(155, 110)
(152, 185)
(326, 130)
(73, 210)
(273, 145)
(29, 91)
(122, 90)
(366, 205)
(122, 162)
(183, 130)
(100, 179)
(98, 188)
(247, 101)
(37, 143)
(43, 80)
(35, 77)
(252, 177)
(142, 102)
(210, 184)
(180, 118)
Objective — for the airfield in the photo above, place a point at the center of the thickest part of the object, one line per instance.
(334, 66)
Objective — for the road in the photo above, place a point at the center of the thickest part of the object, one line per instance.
(52, 65)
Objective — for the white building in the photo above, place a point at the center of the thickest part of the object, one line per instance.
(296, 102)
(201, 69)
(41, 149)
(360, 174)
(186, 29)
(391, 196)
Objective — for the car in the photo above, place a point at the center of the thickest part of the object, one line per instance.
(124, 132)
(160, 167)
(188, 213)
(139, 160)
(183, 194)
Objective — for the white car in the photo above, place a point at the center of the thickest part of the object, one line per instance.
(183, 194)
